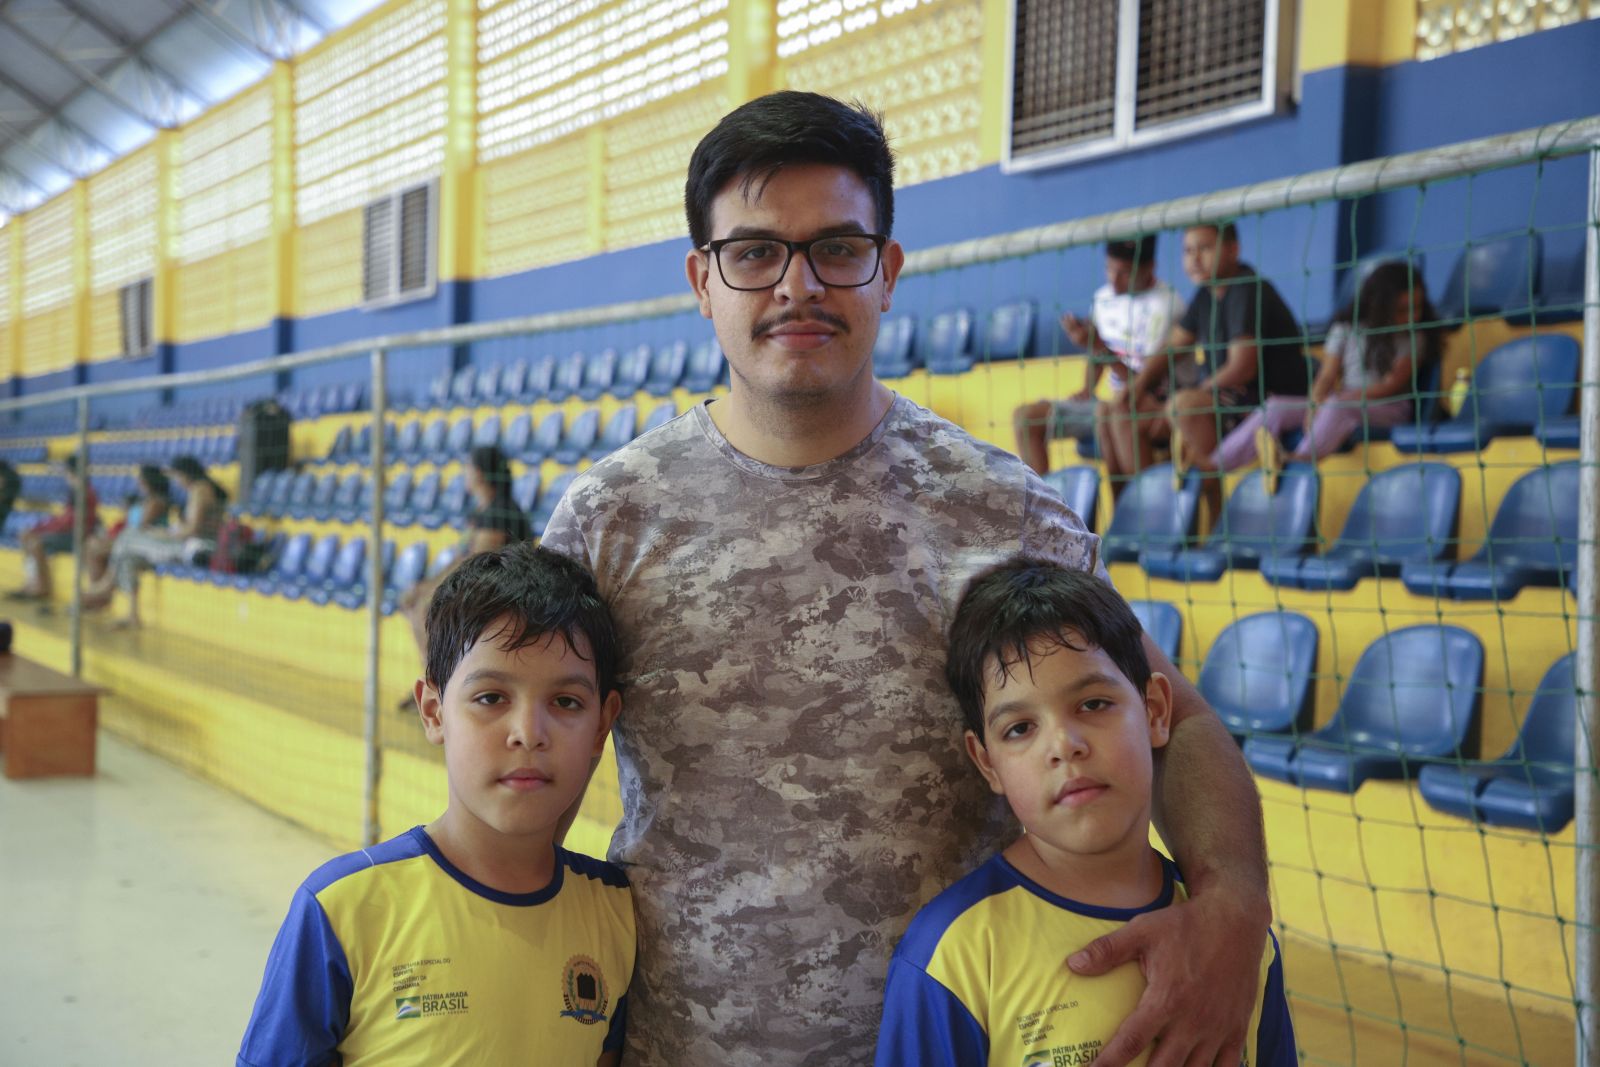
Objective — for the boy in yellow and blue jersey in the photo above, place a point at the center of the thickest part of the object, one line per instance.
(1062, 714)
(476, 939)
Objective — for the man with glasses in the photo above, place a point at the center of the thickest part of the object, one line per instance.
(782, 564)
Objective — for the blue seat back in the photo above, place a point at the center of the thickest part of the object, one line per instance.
(633, 367)
(293, 558)
(550, 497)
(460, 438)
(1162, 622)
(620, 428)
(548, 437)
(462, 384)
(1548, 738)
(1008, 331)
(425, 494)
(433, 437)
(1415, 689)
(320, 563)
(453, 500)
(305, 486)
(1404, 513)
(600, 372)
(439, 389)
(663, 414)
(361, 446)
(569, 372)
(1150, 512)
(282, 489)
(1492, 277)
(488, 433)
(1079, 487)
(446, 557)
(541, 378)
(705, 369)
(327, 488)
(409, 439)
(514, 380)
(1525, 382)
(667, 367)
(584, 430)
(949, 338)
(1538, 518)
(397, 492)
(338, 451)
(347, 566)
(525, 490)
(487, 390)
(1257, 524)
(260, 488)
(518, 434)
(349, 491)
(1257, 674)
(893, 349)
(409, 568)
(365, 495)
(350, 396)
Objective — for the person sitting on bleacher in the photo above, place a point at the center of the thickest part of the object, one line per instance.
(1374, 358)
(193, 538)
(148, 508)
(494, 522)
(1131, 317)
(54, 535)
(1252, 347)
(10, 489)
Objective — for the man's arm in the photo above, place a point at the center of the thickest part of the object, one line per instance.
(1202, 958)
(1179, 339)
(1239, 369)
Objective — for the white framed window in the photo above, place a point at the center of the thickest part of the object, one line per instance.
(1092, 77)
(398, 237)
(136, 314)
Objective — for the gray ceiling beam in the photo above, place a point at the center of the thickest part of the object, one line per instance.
(231, 33)
(54, 114)
(74, 170)
(85, 74)
(135, 49)
(305, 14)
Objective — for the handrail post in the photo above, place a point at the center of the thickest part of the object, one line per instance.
(80, 501)
(371, 825)
(1587, 859)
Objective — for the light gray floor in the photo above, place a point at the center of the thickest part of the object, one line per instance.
(136, 910)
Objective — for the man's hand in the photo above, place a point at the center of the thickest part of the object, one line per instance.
(1202, 960)
(1076, 329)
(1086, 393)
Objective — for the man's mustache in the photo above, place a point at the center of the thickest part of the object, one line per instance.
(785, 318)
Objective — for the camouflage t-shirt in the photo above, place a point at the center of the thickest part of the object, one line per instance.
(793, 781)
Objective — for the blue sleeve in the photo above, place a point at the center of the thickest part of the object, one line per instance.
(304, 1006)
(1275, 1035)
(619, 1026)
(926, 1025)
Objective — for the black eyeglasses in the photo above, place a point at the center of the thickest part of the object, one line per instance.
(844, 261)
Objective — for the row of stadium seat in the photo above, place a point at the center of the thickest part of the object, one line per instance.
(586, 376)
(1402, 524)
(208, 448)
(427, 501)
(1409, 709)
(553, 438)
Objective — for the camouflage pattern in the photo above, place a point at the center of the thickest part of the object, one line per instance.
(793, 781)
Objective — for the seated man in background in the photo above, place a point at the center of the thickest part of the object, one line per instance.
(1253, 350)
(54, 535)
(1132, 314)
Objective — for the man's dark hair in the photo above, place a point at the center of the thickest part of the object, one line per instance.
(1226, 232)
(495, 468)
(1137, 251)
(758, 139)
(1011, 613)
(517, 595)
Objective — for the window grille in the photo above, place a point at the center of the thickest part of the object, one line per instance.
(135, 300)
(397, 255)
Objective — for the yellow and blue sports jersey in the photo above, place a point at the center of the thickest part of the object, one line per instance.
(981, 978)
(392, 955)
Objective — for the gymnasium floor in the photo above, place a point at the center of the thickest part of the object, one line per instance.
(136, 910)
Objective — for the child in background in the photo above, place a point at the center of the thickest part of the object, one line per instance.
(477, 939)
(1062, 714)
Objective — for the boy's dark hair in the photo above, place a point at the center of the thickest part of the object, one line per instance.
(757, 139)
(1007, 613)
(1137, 251)
(1227, 232)
(531, 592)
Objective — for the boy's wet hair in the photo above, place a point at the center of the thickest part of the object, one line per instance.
(1011, 613)
(1135, 250)
(515, 596)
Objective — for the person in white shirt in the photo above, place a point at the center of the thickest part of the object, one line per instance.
(1132, 313)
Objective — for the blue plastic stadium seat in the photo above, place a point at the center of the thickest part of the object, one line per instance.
(1533, 540)
(437, 395)
(258, 492)
(666, 368)
(580, 437)
(1151, 514)
(345, 573)
(633, 367)
(451, 507)
(947, 349)
(285, 568)
(338, 452)
(893, 353)
(1079, 487)
(548, 499)
(568, 377)
(525, 490)
(541, 376)
(659, 417)
(487, 389)
(297, 498)
(1492, 278)
(1514, 390)
(1008, 331)
(1560, 295)
(346, 494)
(433, 440)
(1252, 526)
(424, 499)
(620, 429)
(488, 433)
(320, 501)
(360, 507)
(599, 374)
(1162, 622)
(408, 443)
(1559, 433)
(1401, 515)
(462, 386)
(706, 368)
(546, 437)
(353, 594)
(514, 442)
(1530, 786)
(396, 495)
(352, 396)
(271, 505)
(318, 569)
(408, 569)
(456, 442)
(514, 380)
(1257, 674)
(1413, 697)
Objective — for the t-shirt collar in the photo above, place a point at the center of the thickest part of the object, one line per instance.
(898, 408)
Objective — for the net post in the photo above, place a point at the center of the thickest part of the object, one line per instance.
(374, 754)
(1587, 901)
(79, 533)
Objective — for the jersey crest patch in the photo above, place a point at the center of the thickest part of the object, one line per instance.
(583, 991)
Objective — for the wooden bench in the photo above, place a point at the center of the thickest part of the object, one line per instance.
(47, 720)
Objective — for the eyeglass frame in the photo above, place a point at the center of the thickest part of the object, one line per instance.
(714, 250)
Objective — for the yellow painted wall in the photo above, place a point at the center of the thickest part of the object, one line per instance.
(227, 293)
(329, 270)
